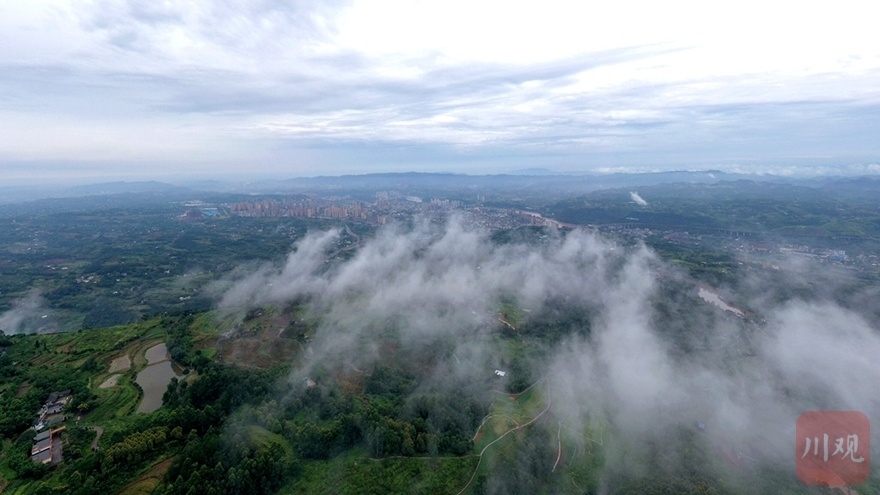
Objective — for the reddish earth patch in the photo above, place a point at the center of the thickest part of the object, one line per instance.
(159, 469)
(154, 473)
(43, 360)
(352, 383)
(121, 363)
(260, 349)
(25, 388)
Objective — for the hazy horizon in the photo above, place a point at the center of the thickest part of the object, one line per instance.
(53, 183)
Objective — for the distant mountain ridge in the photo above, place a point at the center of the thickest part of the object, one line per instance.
(553, 182)
(531, 183)
(121, 187)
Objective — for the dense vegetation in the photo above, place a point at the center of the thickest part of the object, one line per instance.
(239, 419)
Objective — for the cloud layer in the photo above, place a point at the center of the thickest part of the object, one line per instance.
(297, 89)
(637, 199)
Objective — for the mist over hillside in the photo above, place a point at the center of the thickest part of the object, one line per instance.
(425, 287)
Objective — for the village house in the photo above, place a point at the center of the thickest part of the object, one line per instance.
(47, 447)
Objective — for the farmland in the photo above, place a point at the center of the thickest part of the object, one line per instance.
(420, 358)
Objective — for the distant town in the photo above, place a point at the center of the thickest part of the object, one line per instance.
(389, 205)
(396, 205)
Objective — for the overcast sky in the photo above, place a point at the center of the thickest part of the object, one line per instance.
(110, 89)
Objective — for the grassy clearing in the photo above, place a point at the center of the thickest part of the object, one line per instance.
(509, 411)
(5, 472)
(577, 450)
(580, 464)
(15, 489)
(205, 328)
(116, 402)
(264, 438)
(149, 480)
(352, 473)
(100, 342)
(512, 314)
(495, 425)
(141, 487)
(526, 405)
(505, 424)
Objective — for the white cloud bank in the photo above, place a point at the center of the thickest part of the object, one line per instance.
(637, 199)
(443, 286)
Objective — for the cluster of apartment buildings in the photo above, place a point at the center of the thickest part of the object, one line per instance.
(387, 206)
(270, 208)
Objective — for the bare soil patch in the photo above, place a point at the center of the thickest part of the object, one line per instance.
(260, 347)
(147, 481)
(25, 388)
(120, 364)
(111, 381)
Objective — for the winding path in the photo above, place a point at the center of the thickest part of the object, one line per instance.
(508, 432)
(558, 447)
(99, 431)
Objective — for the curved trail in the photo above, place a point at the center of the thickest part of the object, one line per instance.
(100, 431)
(490, 416)
(508, 432)
(558, 447)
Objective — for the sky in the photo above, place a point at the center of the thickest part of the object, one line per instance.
(109, 89)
